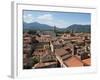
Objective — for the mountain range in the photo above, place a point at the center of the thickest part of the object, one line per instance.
(79, 28)
(73, 27)
(36, 26)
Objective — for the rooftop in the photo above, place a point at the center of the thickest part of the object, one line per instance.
(87, 61)
(45, 65)
(73, 62)
(60, 51)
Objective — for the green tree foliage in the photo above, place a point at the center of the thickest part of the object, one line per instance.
(35, 60)
(32, 32)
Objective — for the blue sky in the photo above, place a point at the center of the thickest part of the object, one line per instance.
(58, 19)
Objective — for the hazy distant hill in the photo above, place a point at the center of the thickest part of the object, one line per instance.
(39, 26)
(36, 26)
(79, 28)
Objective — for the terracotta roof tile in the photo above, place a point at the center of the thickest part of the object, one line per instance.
(73, 62)
(87, 61)
(60, 51)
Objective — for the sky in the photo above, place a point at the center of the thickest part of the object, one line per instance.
(58, 19)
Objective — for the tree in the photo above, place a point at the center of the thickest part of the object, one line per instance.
(35, 60)
(55, 30)
(67, 31)
(32, 32)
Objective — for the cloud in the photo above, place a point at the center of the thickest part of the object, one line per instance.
(45, 19)
(50, 20)
(60, 23)
(28, 18)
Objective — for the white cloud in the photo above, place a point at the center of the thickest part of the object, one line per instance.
(45, 19)
(28, 18)
(50, 20)
(60, 23)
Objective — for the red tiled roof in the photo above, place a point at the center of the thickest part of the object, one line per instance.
(60, 51)
(73, 62)
(87, 61)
